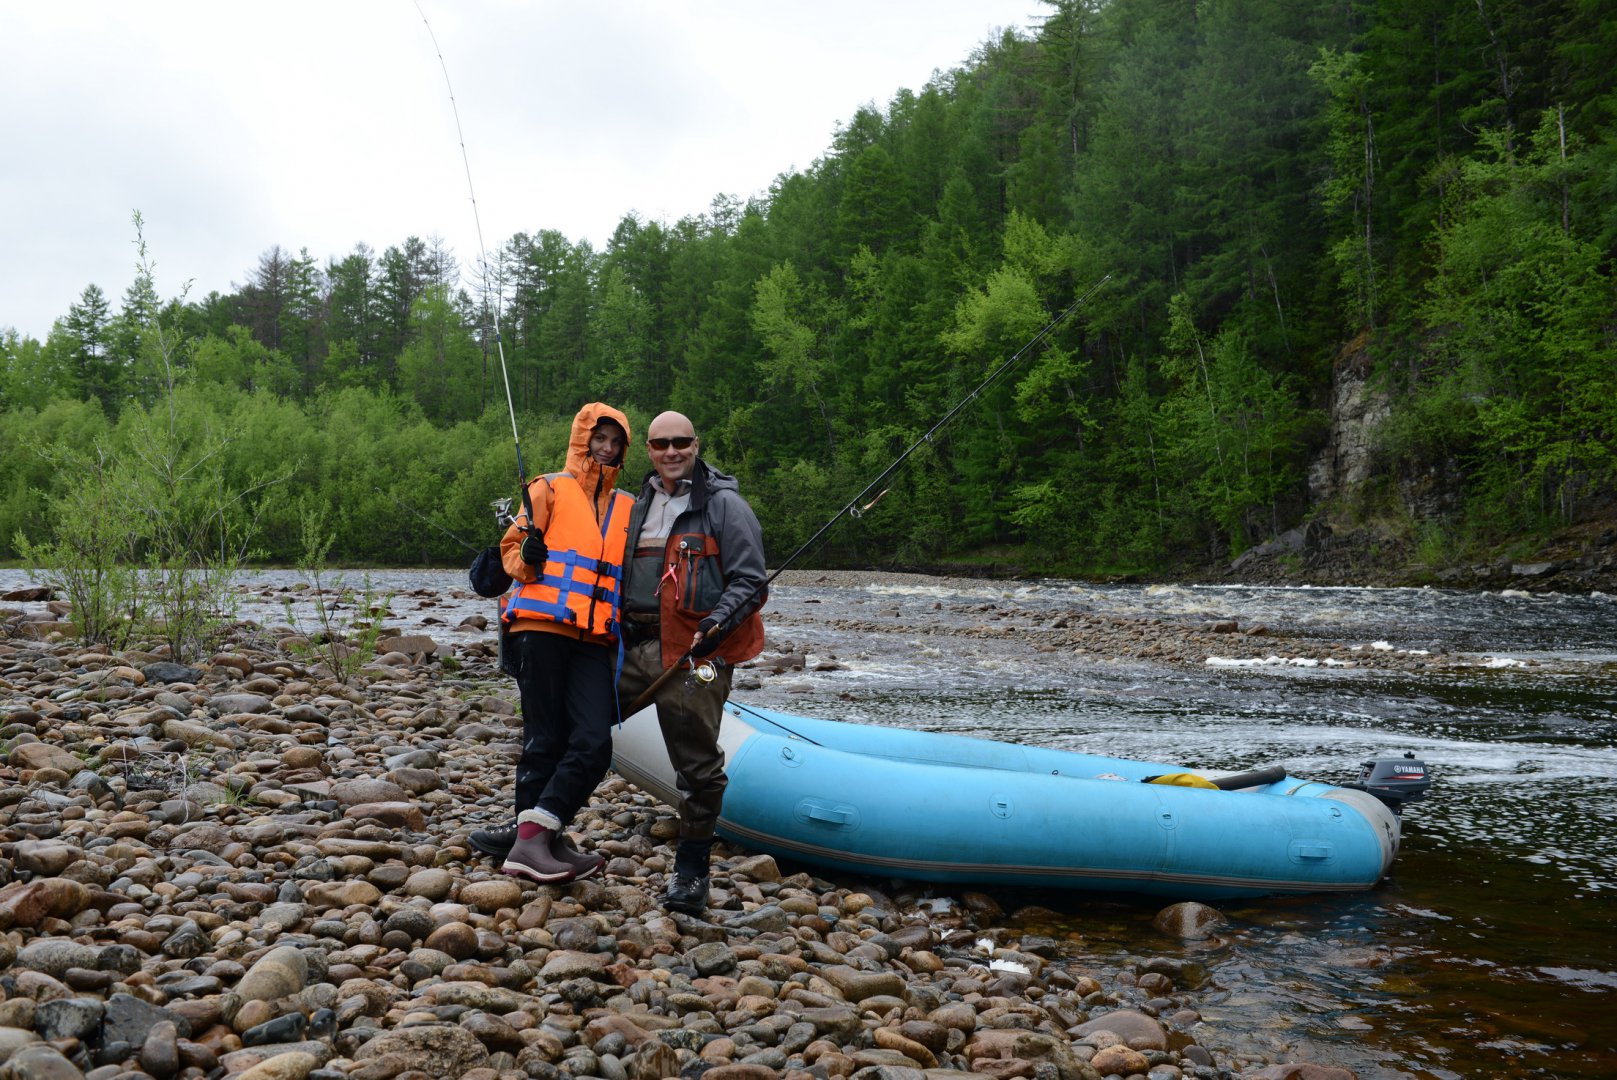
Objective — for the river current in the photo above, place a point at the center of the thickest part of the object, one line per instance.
(1490, 949)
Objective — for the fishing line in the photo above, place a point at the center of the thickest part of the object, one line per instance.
(854, 507)
(482, 254)
(407, 508)
(857, 505)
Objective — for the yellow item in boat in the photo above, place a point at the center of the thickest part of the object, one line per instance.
(1184, 779)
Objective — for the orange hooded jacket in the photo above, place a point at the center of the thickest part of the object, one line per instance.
(585, 523)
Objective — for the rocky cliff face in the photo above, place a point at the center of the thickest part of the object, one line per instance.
(1325, 549)
(1357, 409)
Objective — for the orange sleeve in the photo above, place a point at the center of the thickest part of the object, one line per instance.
(543, 497)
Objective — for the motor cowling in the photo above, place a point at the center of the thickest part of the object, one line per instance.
(1396, 781)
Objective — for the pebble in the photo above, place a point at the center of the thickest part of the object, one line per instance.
(311, 908)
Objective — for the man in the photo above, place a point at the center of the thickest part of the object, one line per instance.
(563, 624)
(694, 583)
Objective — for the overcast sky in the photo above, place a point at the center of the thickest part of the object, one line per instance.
(235, 126)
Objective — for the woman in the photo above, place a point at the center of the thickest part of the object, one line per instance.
(562, 620)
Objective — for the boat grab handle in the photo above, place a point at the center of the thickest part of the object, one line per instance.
(818, 811)
(1310, 850)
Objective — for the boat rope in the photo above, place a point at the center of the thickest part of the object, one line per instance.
(761, 718)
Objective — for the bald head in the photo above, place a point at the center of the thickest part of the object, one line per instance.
(668, 424)
(671, 441)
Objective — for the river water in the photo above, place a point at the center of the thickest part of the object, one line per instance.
(1491, 948)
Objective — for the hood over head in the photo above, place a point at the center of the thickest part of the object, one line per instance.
(579, 462)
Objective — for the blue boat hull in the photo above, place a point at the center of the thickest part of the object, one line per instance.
(927, 806)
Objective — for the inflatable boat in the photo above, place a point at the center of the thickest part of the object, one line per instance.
(897, 803)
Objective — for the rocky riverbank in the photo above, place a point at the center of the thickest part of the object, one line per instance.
(243, 867)
(1577, 560)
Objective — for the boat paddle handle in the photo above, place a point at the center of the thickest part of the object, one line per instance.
(1269, 774)
(1266, 775)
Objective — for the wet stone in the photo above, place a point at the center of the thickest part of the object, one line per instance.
(284, 1061)
(54, 956)
(167, 672)
(240, 703)
(288, 1028)
(160, 1051)
(455, 940)
(186, 942)
(435, 884)
(411, 921)
(858, 985)
(1134, 1028)
(68, 1018)
(40, 1062)
(711, 958)
(576, 935)
(279, 973)
(767, 919)
(1191, 921)
(188, 985)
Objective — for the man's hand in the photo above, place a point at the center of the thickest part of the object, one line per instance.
(534, 552)
(706, 639)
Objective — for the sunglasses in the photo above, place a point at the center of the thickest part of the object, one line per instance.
(678, 442)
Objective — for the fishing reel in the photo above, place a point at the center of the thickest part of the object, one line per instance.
(701, 673)
(502, 512)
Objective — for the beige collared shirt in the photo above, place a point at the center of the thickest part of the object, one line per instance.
(663, 512)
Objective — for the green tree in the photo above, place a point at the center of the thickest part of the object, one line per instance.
(620, 335)
(794, 325)
(1521, 374)
(238, 360)
(29, 376)
(352, 324)
(1349, 190)
(1231, 431)
(33, 444)
(82, 341)
(874, 211)
(439, 368)
(91, 557)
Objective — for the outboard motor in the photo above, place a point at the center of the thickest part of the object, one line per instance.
(1395, 781)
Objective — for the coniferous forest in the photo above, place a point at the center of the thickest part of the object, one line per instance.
(1422, 193)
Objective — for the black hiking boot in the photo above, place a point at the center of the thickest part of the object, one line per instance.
(496, 840)
(687, 893)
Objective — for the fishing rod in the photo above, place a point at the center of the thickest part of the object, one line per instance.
(857, 506)
(482, 252)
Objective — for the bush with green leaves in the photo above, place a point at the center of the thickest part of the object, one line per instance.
(92, 557)
(342, 631)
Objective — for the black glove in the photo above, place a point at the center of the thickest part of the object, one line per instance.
(534, 552)
(711, 636)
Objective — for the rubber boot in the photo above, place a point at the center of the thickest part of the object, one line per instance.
(583, 864)
(530, 856)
